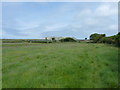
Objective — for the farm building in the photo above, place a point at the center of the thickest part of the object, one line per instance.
(57, 38)
(53, 38)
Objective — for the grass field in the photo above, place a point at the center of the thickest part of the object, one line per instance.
(59, 65)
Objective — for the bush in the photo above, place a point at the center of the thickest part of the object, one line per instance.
(100, 38)
(96, 37)
(40, 41)
(68, 39)
(11, 41)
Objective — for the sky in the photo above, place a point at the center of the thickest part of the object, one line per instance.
(36, 20)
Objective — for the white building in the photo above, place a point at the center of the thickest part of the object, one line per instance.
(56, 38)
(53, 38)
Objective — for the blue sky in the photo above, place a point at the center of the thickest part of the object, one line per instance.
(34, 20)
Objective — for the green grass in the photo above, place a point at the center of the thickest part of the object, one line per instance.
(59, 65)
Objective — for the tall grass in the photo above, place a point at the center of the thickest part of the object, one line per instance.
(60, 65)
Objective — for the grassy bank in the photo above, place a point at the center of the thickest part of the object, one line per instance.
(59, 65)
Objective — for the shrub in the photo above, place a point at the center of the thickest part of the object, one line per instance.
(100, 38)
(96, 37)
(68, 39)
(40, 41)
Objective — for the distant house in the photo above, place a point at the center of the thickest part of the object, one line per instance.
(56, 38)
(53, 38)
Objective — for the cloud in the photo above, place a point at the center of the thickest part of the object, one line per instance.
(63, 20)
(102, 19)
(113, 27)
(67, 31)
(54, 27)
(106, 10)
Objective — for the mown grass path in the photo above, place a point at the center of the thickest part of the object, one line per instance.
(59, 65)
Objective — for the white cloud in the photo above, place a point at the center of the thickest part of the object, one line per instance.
(106, 10)
(101, 19)
(90, 21)
(113, 27)
(23, 25)
(54, 27)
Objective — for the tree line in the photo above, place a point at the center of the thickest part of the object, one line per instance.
(101, 38)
